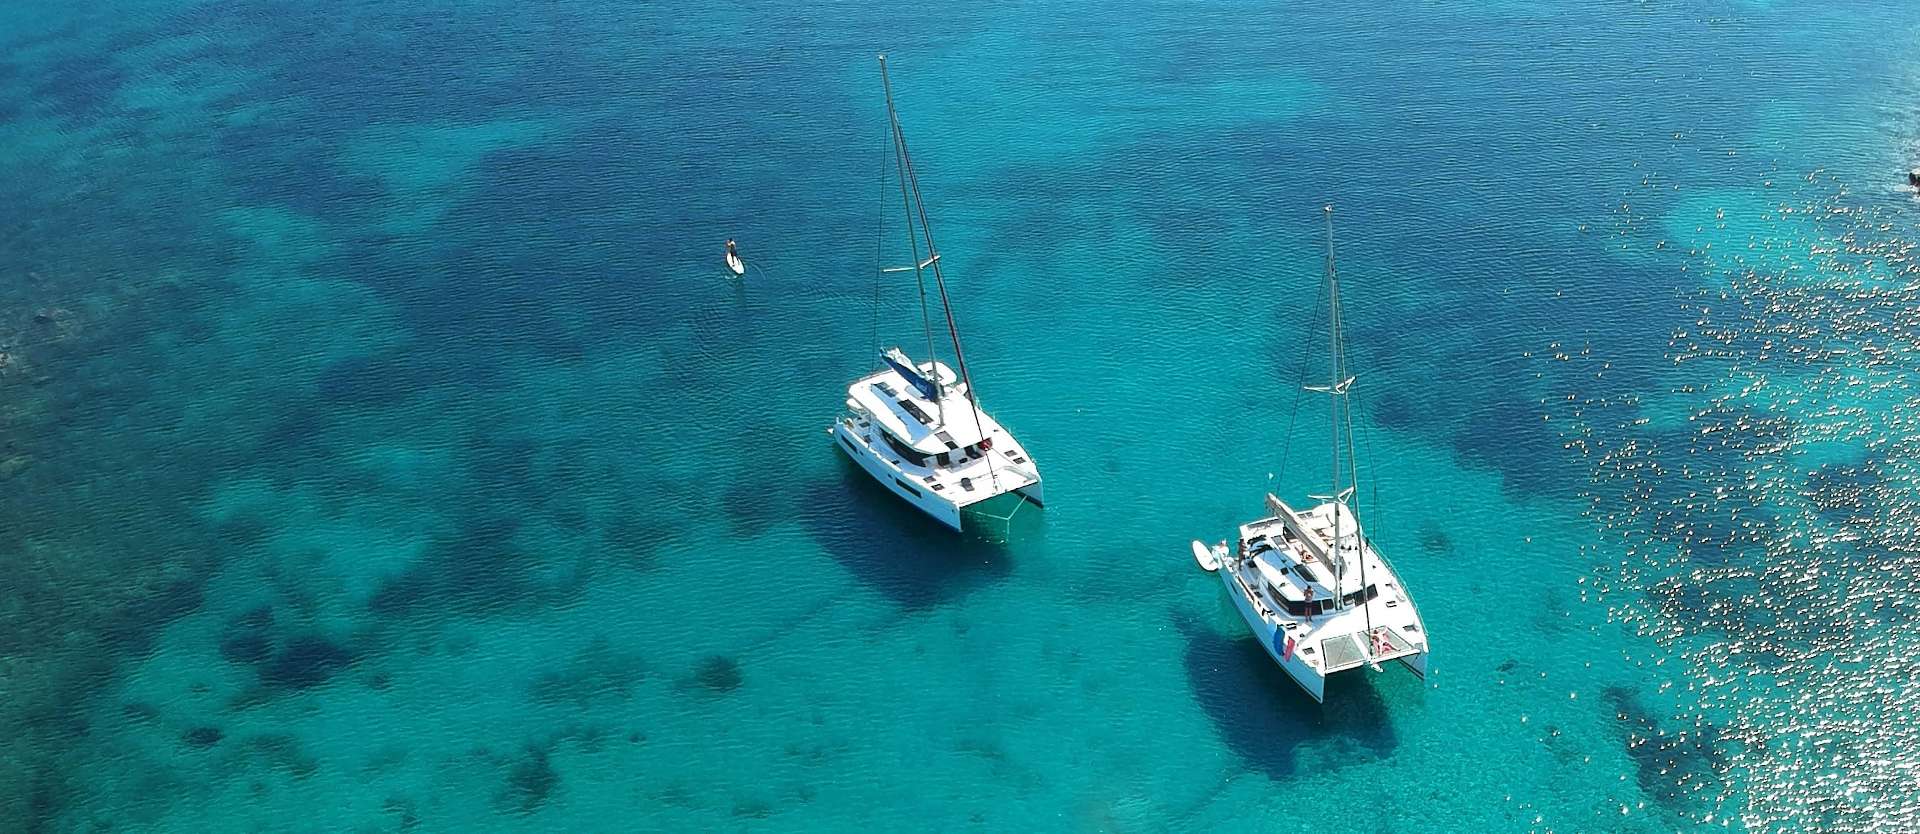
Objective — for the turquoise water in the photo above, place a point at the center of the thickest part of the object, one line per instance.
(384, 449)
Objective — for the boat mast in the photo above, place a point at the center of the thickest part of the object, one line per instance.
(1336, 391)
(912, 182)
(1342, 417)
(913, 242)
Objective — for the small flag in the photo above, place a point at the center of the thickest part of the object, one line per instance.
(1288, 654)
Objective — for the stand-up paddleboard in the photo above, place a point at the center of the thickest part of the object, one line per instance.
(734, 264)
(1209, 561)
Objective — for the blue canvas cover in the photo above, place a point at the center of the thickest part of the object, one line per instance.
(900, 363)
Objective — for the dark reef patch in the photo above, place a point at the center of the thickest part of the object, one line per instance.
(283, 752)
(478, 570)
(247, 638)
(1669, 767)
(1844, 495)
(305, 661)
(1264, 717)
(246, 648)
(637, 541)
(81, 86)
(718, 674)
(750, 507)
(276, 165)
(371, 381)
(1435, 540)
(1497, 432)
(754, 809)
(405, 813)
(530, 781)
(597, 671)
(133, 625)
(202, 737)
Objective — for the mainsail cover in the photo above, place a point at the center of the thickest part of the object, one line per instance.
(900, 363)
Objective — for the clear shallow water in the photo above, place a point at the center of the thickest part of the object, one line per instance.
(383, 449)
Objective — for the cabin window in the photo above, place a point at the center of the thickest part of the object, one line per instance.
(941, 459)
(908, 487)
(904, 451)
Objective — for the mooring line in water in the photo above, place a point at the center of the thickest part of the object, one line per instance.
(1006, 520)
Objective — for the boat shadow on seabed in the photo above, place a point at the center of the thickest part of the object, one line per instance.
(1265, 718)
(899, 551)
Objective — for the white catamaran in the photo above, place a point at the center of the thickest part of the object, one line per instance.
(1310, 584)
(917, 427)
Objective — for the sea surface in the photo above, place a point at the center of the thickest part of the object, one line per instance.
(384, 449)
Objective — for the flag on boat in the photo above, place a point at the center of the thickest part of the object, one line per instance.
(1287, 654)
(900, 363)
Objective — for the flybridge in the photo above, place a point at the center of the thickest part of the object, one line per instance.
(900, 410)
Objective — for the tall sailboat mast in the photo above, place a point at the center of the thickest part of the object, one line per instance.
(1337, 391)
(897, 139)
(1342, 413)
(910, 182)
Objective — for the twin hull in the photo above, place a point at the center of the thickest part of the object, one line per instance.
(1309, 678)
(856, 448)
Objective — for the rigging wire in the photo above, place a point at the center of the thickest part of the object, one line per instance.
(1343, 418)
(1373, 485)
(1300, 381)
(879, 243)
(912, 179)
(904, 166)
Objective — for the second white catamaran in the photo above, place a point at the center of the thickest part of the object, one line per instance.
(917, 427)
(1310, 584)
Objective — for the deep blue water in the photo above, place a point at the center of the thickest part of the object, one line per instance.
(383, 448)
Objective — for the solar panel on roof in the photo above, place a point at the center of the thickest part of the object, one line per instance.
(915, 411)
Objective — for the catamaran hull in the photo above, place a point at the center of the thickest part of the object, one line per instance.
(942, 510)
(1309, 678)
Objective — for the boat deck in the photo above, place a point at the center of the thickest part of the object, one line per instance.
(1286, 565)
(962, 481)
(901, 428)
(927, 426)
